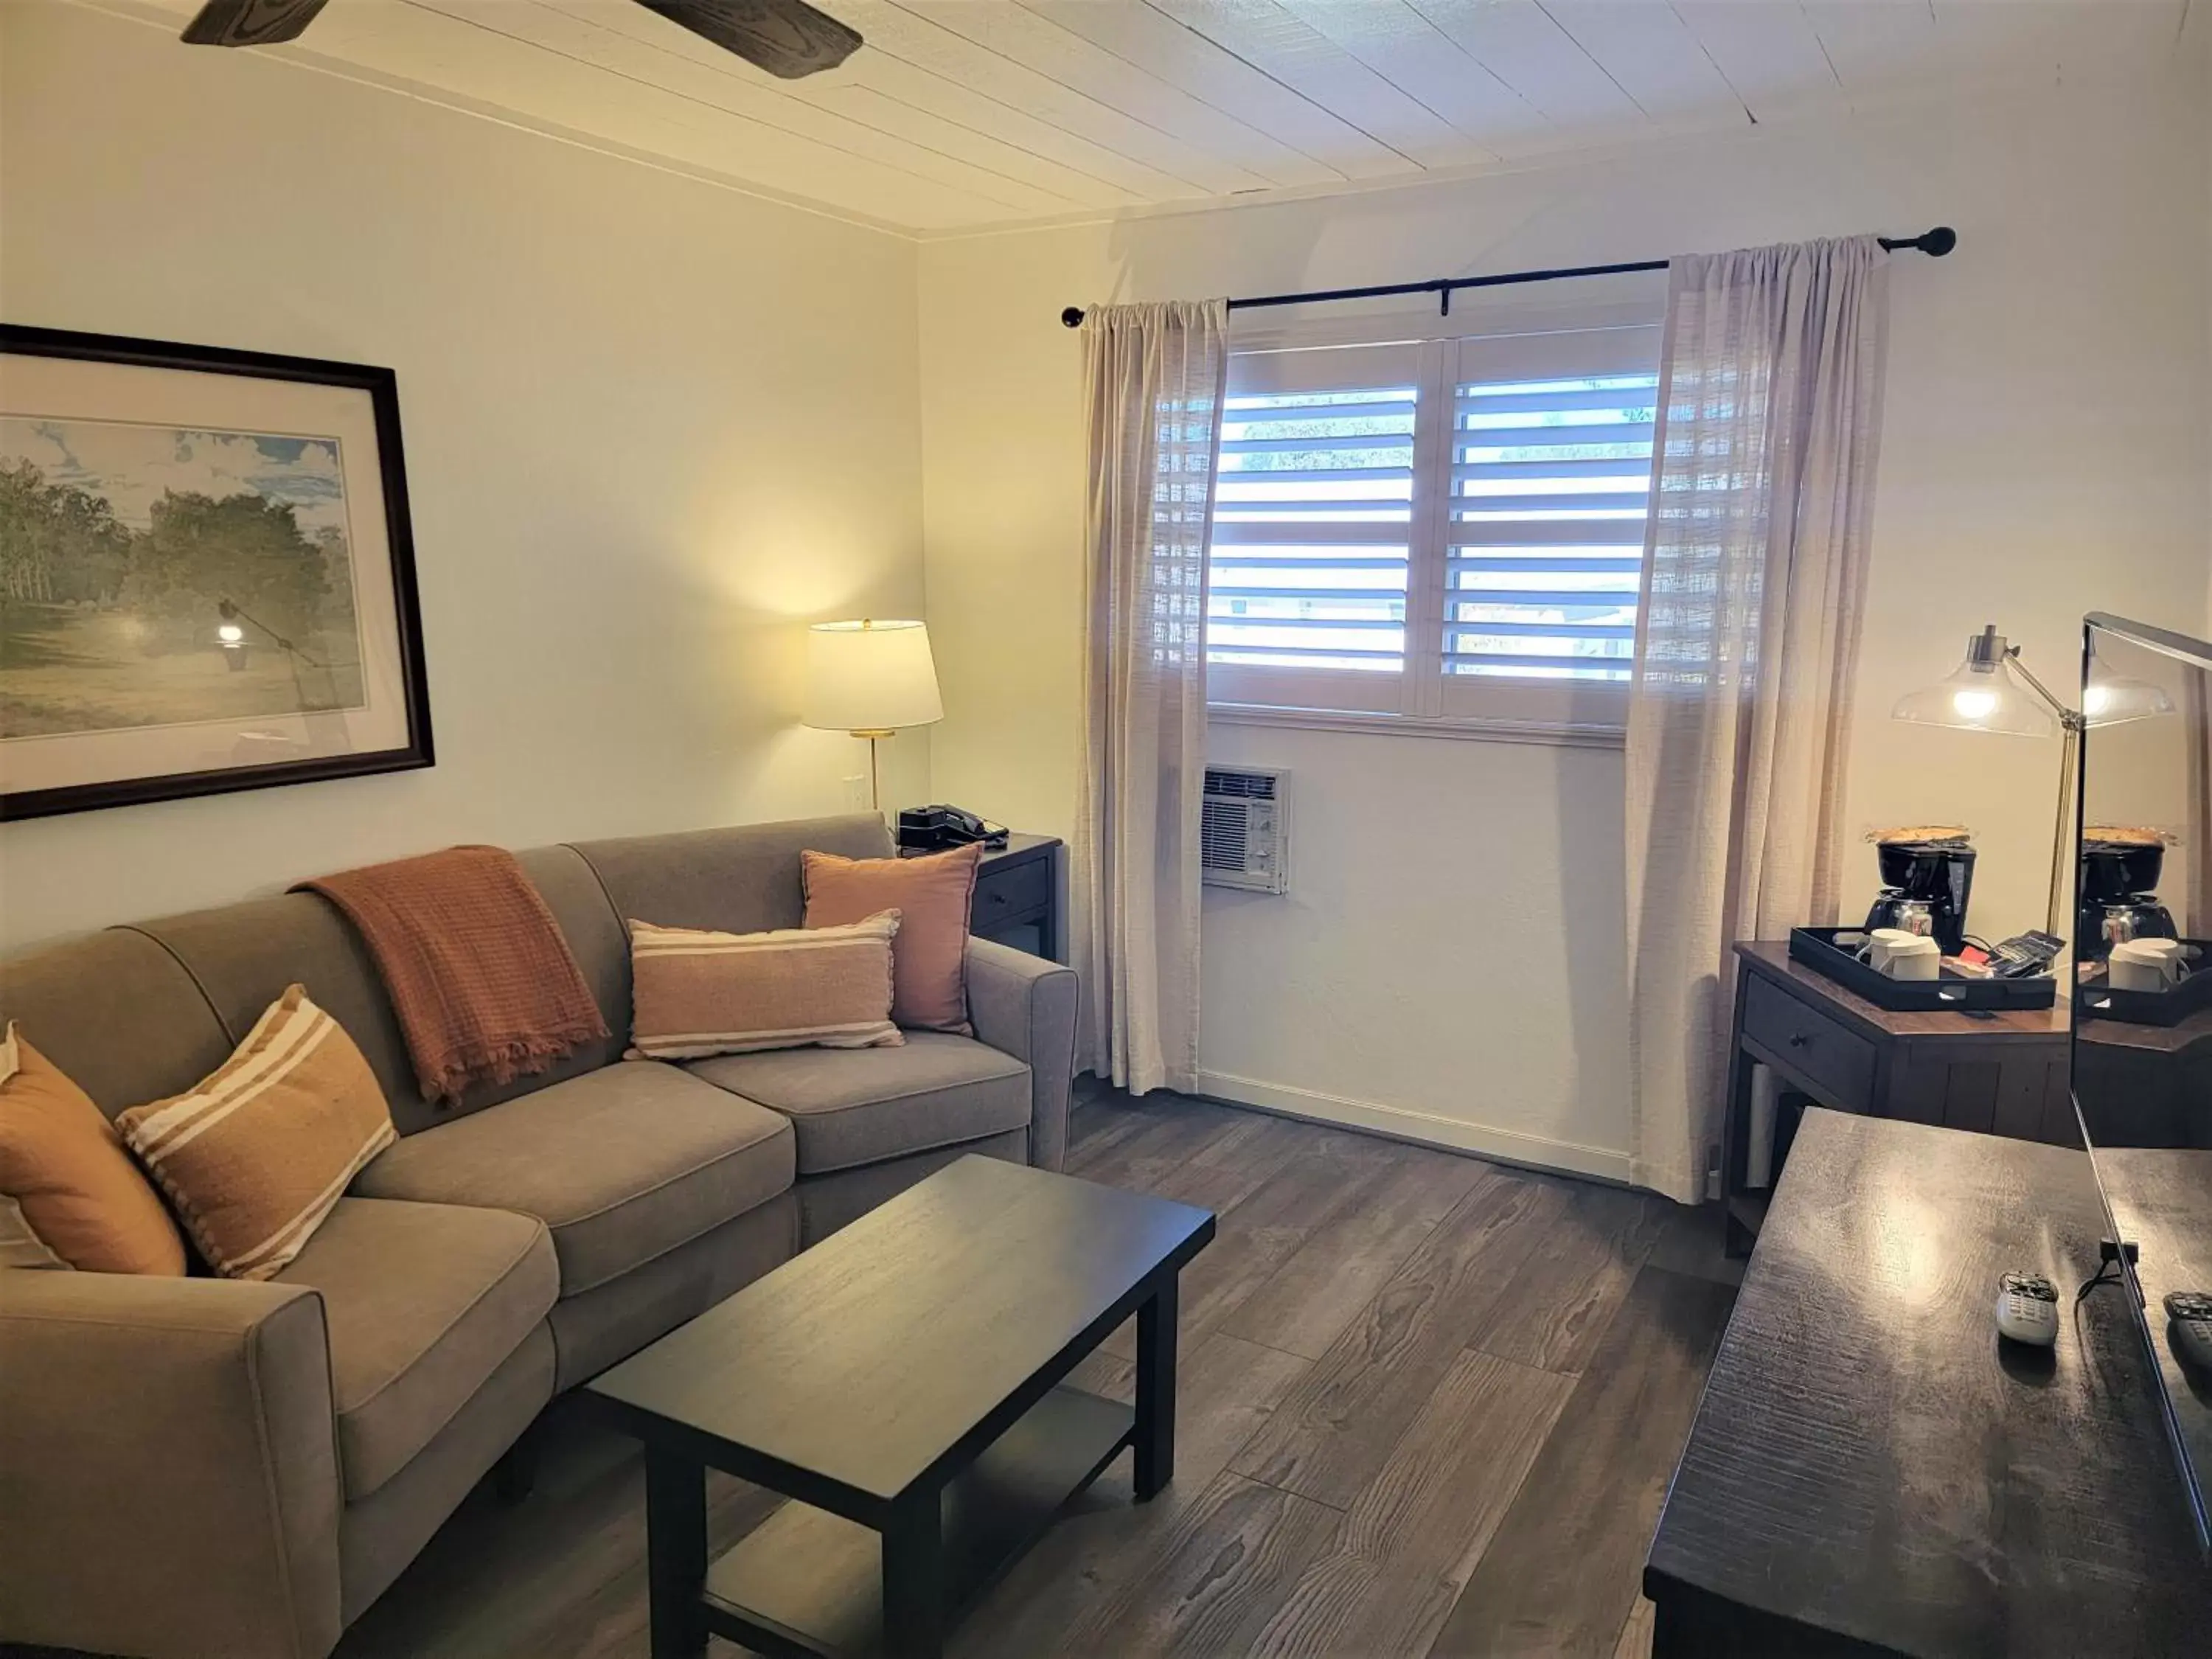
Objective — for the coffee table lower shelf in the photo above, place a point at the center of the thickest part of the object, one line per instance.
(806, 1582)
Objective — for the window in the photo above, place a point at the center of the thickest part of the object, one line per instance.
(1443, 531)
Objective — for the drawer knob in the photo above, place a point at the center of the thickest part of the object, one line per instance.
(1797, 1040)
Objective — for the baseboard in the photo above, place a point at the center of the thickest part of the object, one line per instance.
(1403, 1123)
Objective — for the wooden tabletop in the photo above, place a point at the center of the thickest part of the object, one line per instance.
(868, 1358)
(1772, 958)
(1018, 841)
(1870, 1460)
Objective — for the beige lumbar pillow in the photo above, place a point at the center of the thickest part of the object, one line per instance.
(695, 993)
(256, 1156)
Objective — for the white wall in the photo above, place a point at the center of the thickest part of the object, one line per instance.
(650, 425)
(1447, 963)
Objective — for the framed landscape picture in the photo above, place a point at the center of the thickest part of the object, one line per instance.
(207, 580)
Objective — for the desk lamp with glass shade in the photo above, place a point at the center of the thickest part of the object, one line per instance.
(1993, 691)
(869, 678)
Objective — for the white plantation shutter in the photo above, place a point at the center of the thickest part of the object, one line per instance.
(1313, 528)
(1550, 484)
(1446, 530)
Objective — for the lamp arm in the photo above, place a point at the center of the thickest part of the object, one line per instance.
(2068, 717)
(229, 608)
(2072, 724)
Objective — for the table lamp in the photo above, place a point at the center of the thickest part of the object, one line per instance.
(1993, 691)
(869, 678)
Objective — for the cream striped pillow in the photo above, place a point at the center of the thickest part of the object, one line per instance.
(259, 1154)
(695, 993)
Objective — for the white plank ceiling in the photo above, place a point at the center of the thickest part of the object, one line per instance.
(959, 114)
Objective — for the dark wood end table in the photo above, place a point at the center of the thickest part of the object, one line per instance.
(1017, 890)
(901, 1380)
(2002, 1073)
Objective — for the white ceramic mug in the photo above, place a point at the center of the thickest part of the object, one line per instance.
(1903, 955)
(2147, 964)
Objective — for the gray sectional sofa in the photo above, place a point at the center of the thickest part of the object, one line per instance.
(208, 1467)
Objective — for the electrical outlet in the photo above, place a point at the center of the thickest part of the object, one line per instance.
(856, 793)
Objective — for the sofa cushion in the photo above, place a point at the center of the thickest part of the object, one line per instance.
(72, 999)
(743, 879)
(243, 955)
(424, 1302)
(860, 1105)
(623, 1163)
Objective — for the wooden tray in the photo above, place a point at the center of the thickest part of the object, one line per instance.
(1817, 949)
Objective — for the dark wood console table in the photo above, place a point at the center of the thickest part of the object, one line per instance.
(1871, 1472)
(2003, 1074)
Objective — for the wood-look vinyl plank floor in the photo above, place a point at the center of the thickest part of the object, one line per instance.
(1561, 1576)
(1425, 1403)
(1393, 1565)
(1337, 1430)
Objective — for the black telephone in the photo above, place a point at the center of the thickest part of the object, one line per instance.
(936, 828)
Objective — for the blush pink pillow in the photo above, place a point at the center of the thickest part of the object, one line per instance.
(932, 896)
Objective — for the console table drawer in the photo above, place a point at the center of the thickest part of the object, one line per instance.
(1837, 1062)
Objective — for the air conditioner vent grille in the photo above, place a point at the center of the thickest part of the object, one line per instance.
(1251, 784)
(1245, 828)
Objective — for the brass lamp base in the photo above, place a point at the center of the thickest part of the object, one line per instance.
(874, 734)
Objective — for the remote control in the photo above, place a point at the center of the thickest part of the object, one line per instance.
(2191, 1332)
(2027, 1309)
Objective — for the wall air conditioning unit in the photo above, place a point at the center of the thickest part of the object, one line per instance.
(1245, 828)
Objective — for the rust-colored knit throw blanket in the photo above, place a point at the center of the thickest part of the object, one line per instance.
(483, 984)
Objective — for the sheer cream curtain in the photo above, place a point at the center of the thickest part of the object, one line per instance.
(1754, 580)
(1153, 378)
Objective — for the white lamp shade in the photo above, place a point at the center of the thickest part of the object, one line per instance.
(869, 676)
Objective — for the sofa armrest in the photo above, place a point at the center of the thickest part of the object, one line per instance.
(168, 1466)
(1024, 1006)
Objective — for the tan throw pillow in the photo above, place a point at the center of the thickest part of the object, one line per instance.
(933, 897)
(69, 1195)
(258, 1154)
(695, 993)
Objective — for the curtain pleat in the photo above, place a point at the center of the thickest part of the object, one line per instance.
(1754, 583)
(1153, 379)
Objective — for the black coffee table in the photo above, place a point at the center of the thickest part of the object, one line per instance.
(901, 1381)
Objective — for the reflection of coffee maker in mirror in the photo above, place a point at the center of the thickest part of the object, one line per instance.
(1926, 874)
(2118, 900)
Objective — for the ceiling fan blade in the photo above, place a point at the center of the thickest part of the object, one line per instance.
(249, 23)
(788, 37)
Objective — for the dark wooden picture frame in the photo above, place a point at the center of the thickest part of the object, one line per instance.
(381, 386)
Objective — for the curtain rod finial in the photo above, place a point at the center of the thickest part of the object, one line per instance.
(1934, 243)
(1072, 316)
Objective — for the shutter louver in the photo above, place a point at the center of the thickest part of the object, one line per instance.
(1312, 520)
(1551, 486)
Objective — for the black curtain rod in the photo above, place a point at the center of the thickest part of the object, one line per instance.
(1935, 243)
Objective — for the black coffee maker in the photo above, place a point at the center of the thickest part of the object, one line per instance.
(2117, 901)
(1926, 876)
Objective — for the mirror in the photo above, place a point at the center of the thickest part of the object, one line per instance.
(2142, 991)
